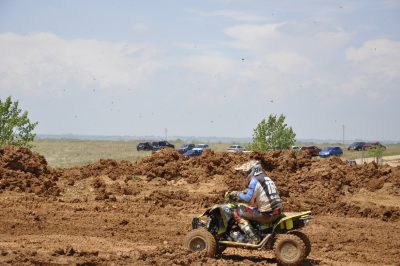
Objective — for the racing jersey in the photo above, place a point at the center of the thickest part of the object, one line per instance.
(262, 191)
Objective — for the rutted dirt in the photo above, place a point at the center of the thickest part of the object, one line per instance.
(138, 212)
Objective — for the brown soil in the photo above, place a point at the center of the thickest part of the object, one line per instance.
(138, 213)
(23, 170)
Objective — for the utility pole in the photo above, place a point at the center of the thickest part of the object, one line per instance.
(343, 133)
(166, 133)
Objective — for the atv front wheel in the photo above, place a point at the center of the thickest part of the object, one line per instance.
(201, 240)
(289, 250)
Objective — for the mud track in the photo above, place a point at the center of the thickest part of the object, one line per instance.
(137, 213)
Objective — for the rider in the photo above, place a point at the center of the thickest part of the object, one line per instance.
(265, 205)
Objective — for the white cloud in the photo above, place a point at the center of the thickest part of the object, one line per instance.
(378, 49)
(287, 62)
(237, 15)
(312, 39)
(375, 68)
(278, 74)
(140, 28)
(251, 36)
(195, 47)
(212, 76)
(44, 61)
(290, 57)
(230, 13)
(316, 58)
(208, 64)
(272, 74)
(280, 61)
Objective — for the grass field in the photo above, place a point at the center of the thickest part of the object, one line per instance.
(69, 153)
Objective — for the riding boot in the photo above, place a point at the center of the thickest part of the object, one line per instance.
(246, 227)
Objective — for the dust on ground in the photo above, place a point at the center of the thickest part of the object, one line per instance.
(137, 213)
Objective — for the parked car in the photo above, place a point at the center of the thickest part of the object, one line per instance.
(158, 145)
(201, 146)
(193, 152)
(295, 148)
(371, 145)
(185, 147)
(331, 151)
(144, 146)
(356, 146)
(310, 150)
(235, 148)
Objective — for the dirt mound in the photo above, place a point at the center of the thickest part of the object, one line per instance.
(103, 167)
(24, 160)
(323, 184)
(26, 171)
(169, 164)
(304, 182)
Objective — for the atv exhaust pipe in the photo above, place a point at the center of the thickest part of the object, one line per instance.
(246, 245)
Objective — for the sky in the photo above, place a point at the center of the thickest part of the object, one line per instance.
(204, 68)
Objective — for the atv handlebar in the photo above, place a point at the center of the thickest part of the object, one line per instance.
(227, 196)
(229, 199)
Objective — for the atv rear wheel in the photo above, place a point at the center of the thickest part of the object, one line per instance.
(306, 240)
(289, 250)
(201, 240)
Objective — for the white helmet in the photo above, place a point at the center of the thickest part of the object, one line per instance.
(250, 168)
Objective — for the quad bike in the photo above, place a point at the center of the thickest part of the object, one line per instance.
(215, 230)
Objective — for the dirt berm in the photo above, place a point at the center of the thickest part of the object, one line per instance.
(137, 212)
(304, 182)
(25, 171)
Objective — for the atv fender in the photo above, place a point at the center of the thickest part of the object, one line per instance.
(209, 211)
(288, 221)
(219, 209)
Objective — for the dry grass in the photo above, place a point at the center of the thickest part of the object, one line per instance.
(351, 155)
(69, 153)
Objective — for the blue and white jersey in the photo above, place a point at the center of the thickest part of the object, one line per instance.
(263, 193)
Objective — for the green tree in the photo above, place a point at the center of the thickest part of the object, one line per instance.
(376, 152)
(15, 127)
(273, 134)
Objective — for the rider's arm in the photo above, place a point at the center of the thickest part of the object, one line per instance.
(249, 194)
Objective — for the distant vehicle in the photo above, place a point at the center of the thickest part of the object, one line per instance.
(144, 146)
(201, 147)
(235, 148)
(295, 148)
(331, 151)
(356, 146)
(185, 147)
(310, 150)
(158, 145)
(193, 152)
(371, 145)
